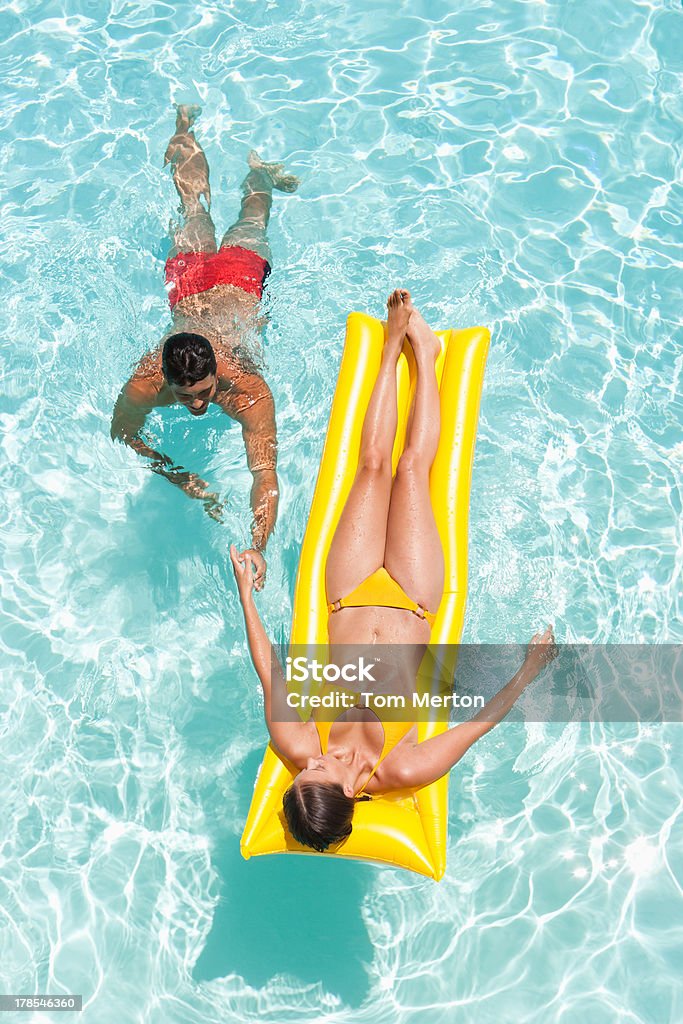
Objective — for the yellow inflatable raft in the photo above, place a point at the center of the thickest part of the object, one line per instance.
(407, 829)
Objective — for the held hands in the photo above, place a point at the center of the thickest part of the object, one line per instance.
(541, 651)
(250, 570)
(259, 564)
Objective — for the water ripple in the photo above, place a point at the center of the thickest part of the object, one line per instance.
(514, 164)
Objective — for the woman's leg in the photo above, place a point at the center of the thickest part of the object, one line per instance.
(357, 547)
(414, 555)
(191, 178)
(249, 230)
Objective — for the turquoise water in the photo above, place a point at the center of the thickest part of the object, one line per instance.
(514, 164)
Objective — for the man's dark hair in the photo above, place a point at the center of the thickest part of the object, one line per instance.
(318, 814)
(187, 358)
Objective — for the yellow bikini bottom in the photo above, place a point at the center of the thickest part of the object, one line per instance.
(381, 591)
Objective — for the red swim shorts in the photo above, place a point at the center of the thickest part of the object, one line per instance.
(189, 273)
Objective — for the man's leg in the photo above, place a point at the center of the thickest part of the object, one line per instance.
(358, 544)
(249, 230)
(191, 178)
(414, 555)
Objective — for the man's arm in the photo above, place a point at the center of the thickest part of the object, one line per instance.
(136, 401)
(429, 760)
(132, 407)
(253, 407)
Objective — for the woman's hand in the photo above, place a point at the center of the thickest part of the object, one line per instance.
(541, 651)
(259, 563)
(242, 564)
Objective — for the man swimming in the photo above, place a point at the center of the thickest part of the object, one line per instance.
(214, 294)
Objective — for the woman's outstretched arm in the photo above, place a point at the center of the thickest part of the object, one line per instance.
(286, 735)
(428, 761)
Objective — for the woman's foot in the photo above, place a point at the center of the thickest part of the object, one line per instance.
(399, 307)
(276, 172)
(422, 338)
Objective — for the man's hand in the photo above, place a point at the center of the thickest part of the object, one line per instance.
(541, 651)
(243, 568)
(195, 487)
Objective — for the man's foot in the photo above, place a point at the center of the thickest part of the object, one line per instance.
(276, 172)
(399, 307)
(188, 163)
(186, 115)
(422, 337)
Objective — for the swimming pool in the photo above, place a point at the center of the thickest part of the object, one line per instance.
(514, 165)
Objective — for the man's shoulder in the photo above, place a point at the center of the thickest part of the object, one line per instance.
(147, 383)
(240, 388)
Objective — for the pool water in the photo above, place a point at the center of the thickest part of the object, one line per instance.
(514, 165)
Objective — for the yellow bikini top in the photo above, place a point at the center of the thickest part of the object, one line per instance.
(393, 733)
(381, 590)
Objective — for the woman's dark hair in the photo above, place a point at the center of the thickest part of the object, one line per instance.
(187, 358)
(318, 814)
